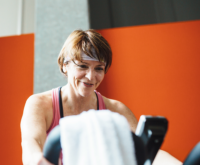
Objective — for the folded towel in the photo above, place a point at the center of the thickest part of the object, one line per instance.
(97, 138)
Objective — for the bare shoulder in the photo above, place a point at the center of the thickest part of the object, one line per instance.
(119, 107)
(116, 106)
(40, 99)
(38, 108)
(38, 103)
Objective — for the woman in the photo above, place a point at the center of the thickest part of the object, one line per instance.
(85, 58)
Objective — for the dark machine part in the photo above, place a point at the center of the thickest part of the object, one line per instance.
(52, 146)
(194, 156)
(140, 151)
(152, 131)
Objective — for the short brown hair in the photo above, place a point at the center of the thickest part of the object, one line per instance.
(84, 41)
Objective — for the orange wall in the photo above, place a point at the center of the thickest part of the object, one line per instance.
(16, 65)
(156, 71)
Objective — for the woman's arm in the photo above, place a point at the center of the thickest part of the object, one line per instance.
(164, 158)
(33, 131)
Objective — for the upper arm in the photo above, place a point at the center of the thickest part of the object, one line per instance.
(165, 158)
(33, 123)
(117, 106)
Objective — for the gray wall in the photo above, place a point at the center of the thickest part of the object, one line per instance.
(55, 20)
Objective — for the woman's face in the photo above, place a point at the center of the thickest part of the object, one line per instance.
(85, 76)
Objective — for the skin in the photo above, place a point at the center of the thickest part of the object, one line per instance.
(77, 96)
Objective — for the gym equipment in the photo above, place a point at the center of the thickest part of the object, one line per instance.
(148, 138)
(152, 131)
(150, 134)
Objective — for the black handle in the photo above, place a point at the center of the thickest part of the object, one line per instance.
(52, 146)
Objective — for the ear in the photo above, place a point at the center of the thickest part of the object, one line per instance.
(64, 68)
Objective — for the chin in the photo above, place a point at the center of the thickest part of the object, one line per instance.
(86, 93)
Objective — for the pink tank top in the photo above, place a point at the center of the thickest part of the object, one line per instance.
(56, 107)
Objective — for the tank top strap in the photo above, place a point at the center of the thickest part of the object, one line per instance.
(56, 109)
(101, 101)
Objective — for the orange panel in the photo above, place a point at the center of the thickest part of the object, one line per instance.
(156, 71)
(16, 57)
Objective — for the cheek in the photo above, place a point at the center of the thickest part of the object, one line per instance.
(79, 74)
(100, 77)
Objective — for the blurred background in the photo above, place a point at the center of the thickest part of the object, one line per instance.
(155, 69)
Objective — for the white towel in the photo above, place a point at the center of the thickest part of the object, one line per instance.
(97, 138)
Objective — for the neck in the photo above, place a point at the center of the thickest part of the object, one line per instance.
(74, 103)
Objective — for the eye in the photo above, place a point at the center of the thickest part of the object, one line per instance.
(83, 66)
(99, 69)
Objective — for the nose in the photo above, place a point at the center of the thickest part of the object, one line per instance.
(90, 74)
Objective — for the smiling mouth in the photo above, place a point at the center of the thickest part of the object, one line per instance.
(88, 84)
